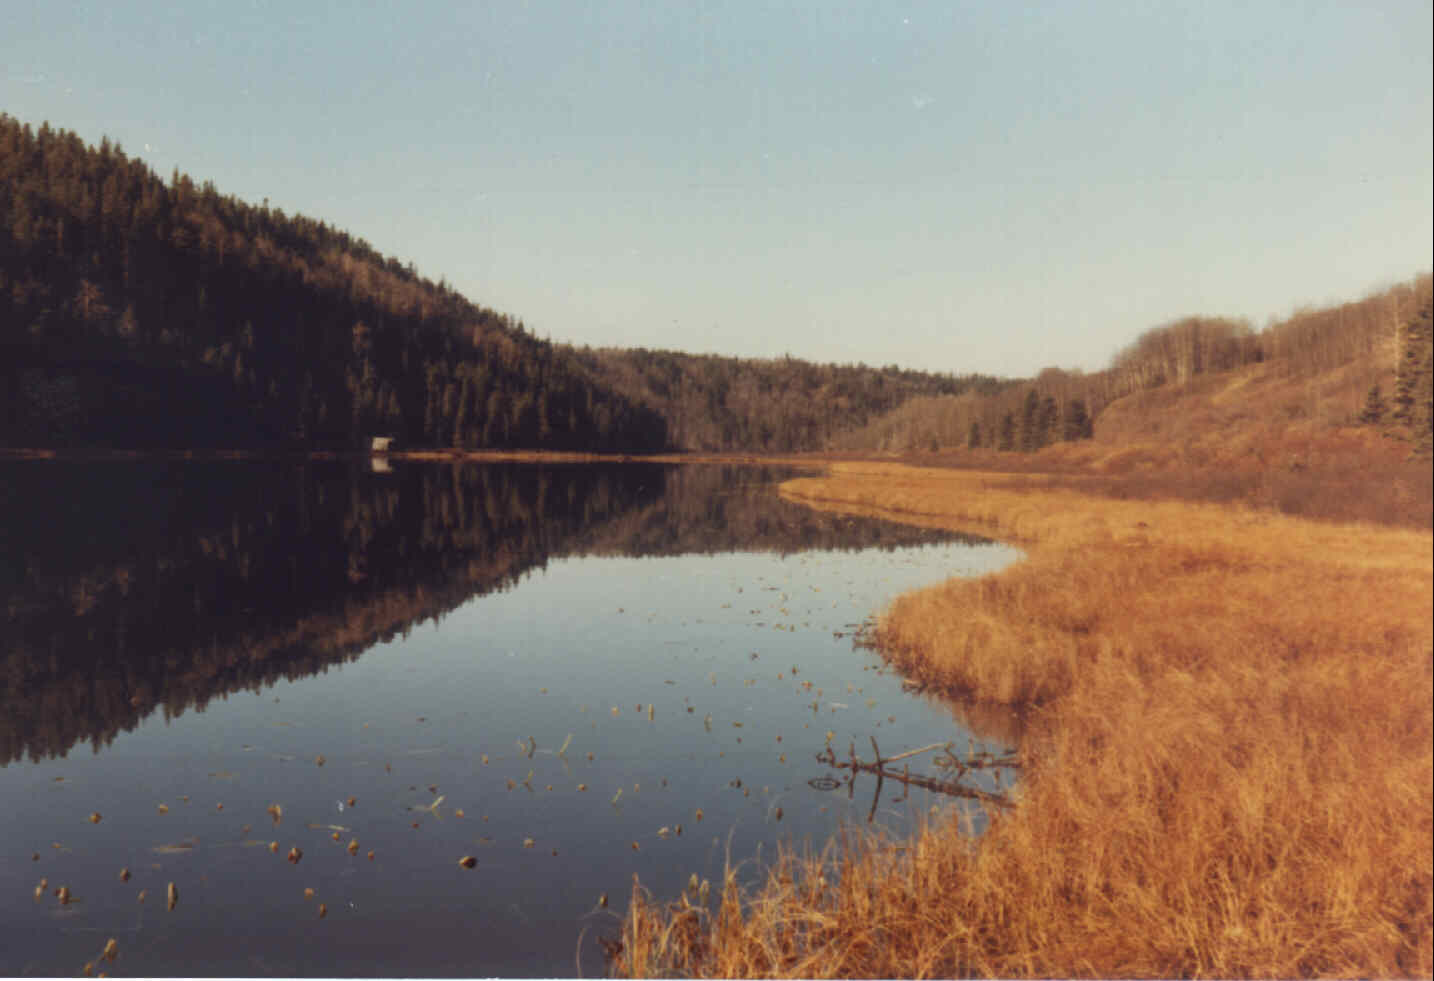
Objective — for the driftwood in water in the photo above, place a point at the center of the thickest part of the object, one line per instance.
(954, 788)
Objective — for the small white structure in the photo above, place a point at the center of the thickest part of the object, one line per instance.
(381, 444)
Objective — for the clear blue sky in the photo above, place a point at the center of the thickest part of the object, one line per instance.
(989, 187)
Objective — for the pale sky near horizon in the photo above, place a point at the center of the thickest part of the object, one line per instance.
(951, 186)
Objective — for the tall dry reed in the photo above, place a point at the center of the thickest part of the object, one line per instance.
(1228, 756)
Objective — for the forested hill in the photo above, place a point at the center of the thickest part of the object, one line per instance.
(784, 404)
(141, 313)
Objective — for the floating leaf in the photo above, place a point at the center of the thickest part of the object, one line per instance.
(468, 861)
(142, 893)
(370, 855)
(308, 893)
(320, 759)
(163, 808)
(353, 846)
(527, 842)
(352, 801)
(602, 901)
(276, 812)
(323, 910)
(294, 855)
(171, 896)
(274, 847)
(124, 875)
(95, 817)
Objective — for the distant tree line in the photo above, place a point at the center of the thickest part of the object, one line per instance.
(715, 403)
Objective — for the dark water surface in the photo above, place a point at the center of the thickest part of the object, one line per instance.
(548, 668)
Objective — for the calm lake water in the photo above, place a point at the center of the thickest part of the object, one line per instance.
(552, 669)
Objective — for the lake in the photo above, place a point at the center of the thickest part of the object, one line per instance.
(302, 692)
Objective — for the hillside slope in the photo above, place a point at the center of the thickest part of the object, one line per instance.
(1326, 415)
(140, 313)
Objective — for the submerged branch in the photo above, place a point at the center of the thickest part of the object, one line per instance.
(954, 788)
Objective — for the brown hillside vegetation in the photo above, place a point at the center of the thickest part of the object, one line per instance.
(1207, 410)
(1228, 756)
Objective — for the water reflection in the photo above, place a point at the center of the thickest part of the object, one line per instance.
(616, 703)
(128, 588)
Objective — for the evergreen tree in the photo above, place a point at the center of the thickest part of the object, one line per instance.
(1077, 422)
(1007, 439)
(1030, 432)
(1047, 422)
(1374, 407)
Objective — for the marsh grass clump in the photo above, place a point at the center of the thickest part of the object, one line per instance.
(1228, 756)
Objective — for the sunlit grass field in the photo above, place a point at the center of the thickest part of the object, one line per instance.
(1228, 756)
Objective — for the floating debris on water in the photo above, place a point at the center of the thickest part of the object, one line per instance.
(171, 894)
(95, 817)
(468, 861)
(353, 846)
(124, 875)
(111, 950)
(308, 892)
(294, 855)
(180, 848)
(323, 910)
(320, 759)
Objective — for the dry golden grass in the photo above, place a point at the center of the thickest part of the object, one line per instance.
(1228, 758)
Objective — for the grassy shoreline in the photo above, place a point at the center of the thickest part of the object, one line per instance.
(1229, 756)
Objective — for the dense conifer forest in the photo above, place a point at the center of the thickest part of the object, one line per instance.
(137, 312)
